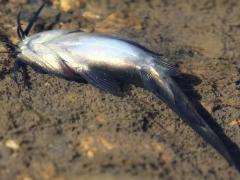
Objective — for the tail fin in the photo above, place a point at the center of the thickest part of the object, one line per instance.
(160, 83)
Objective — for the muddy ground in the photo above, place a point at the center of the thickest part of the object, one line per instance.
(61, 130)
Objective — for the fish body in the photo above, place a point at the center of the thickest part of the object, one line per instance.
(82, 51)
(73, 54)
(105, 61)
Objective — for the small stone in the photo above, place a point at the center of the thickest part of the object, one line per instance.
(45, 170)
(12, 144)
(101, 118)
(19, 1)
(91, 15)
(24, 177)
(48, 170)
(88, 146)
(67, 5)
(90, 154)
(47, 84)
(14, 39)
(208, 106)
(235, 122)
(106, 143)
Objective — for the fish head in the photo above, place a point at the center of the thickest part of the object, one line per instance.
(35, 50)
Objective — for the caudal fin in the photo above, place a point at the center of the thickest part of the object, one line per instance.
(159, 82)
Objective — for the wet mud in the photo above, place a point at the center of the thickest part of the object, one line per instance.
(58, 129)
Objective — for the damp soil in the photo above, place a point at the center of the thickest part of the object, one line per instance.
(59, 129)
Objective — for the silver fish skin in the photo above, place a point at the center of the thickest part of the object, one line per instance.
(104, 61)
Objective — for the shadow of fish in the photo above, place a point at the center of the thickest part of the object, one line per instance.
(105, 61)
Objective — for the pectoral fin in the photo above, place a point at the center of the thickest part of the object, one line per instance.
(102, 80)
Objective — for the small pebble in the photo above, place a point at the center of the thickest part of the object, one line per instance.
(12, 144)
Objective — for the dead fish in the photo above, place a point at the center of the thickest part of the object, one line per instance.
(105, 62)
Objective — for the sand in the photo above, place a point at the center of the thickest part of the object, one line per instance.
(64, 130)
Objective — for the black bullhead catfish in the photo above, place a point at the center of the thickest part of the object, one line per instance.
(105, 62)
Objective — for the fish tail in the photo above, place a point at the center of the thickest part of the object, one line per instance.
(162, 85)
